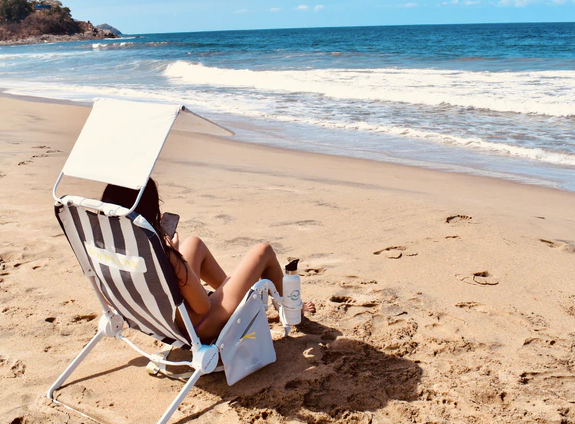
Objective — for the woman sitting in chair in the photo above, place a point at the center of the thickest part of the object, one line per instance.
(192, 261)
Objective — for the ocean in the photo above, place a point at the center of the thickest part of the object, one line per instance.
(492, 99)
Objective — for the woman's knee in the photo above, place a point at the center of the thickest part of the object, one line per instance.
(264, 250)
(192, 243)
(193, 248)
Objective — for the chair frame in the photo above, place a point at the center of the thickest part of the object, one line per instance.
(111, 324)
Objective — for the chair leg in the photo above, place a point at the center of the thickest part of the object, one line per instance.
(180, 398)
(74, 364)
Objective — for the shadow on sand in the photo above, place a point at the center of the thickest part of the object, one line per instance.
(319, 376)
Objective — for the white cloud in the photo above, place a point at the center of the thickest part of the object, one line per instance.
(516, 3)
(241, 11)
(472, 2)
(408, 5)
(523, 3)
(319, 7)
(302, 7)
(275, 9)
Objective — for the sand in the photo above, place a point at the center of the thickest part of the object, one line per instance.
(440, 297)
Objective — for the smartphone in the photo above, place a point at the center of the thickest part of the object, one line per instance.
(169, 223)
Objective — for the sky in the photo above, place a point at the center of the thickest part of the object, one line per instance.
(152, 16)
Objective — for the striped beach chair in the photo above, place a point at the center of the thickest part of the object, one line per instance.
(123, 258)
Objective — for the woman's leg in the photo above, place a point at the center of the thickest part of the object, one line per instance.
(259, 262)
(202, 262)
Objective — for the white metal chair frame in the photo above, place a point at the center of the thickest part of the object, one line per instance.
(111, 324)
(120, 144)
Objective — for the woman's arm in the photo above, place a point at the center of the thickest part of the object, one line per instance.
(190, 285)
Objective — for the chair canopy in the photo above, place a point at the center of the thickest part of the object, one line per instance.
(122, 140)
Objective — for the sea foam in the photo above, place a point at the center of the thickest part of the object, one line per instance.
(543, 92)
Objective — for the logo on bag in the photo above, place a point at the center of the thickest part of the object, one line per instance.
(294, 295)
(251, 335)
(116, 260)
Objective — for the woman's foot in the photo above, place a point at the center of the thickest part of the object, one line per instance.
(274, 316)
(308, 306)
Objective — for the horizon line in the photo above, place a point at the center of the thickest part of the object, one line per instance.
(343, 26)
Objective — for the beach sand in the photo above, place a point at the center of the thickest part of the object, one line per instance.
(441, 298)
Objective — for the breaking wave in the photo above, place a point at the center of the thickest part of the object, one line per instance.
(541, 92)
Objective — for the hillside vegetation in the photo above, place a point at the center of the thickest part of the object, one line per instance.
(20, 20)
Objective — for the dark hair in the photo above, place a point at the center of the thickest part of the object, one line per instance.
(148, 207)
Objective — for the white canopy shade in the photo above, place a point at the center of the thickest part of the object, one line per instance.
(122, 140)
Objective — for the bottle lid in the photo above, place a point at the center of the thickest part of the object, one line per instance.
(291, 268)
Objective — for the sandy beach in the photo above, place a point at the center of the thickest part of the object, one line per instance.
(441, 297)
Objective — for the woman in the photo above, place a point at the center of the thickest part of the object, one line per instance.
(192, 261)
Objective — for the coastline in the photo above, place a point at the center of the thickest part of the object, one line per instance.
(407, 168)
(497, 115)
(451, 294)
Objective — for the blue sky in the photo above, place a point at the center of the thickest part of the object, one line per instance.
(149, 16)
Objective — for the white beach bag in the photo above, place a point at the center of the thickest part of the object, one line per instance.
(246, 343)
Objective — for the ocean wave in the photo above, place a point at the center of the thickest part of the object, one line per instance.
(121, 45)
(531, 153)
(537, 154)
(41, 56)
(227, 102)
(540, 92)
(126, 44)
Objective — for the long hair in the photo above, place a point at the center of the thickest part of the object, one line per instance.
(148, 207)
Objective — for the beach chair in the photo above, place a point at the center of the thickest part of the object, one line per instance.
(123, 258)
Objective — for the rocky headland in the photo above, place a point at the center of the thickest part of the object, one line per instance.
(28, 22)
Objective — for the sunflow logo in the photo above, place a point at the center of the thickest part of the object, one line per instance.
(251, 335)
(116, 260)
(294, 295)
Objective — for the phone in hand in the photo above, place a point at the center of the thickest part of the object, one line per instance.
(169, 223)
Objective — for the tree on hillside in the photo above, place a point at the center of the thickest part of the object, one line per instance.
(56, 20)
(21, 19)
(13, 11)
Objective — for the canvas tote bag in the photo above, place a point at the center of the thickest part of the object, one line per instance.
(246, 343)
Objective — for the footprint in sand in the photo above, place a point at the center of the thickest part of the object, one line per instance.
(394, 252)
(243, 241)
(561, 245)
(539, 342)
(309, 272)
(357, 297)
(569, 306)
(24, 162)
(458, 219)
(561, 381)
(489, 310)
(480, 278)
(226, 218)
(85, 318)
(304, 225)
(17, 370)
(356, 282)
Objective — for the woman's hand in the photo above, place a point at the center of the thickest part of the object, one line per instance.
(176, 241)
